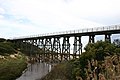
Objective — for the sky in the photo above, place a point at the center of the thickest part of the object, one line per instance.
(31, 17)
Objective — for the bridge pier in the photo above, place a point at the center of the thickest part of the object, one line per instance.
(41, 46)
(41, 43)
(65, 49)
(18, 43)
(108, 37)
(48, 49)
(31, 48)
(91, 39)
(77, 46)
(56, 51)
(35, 42)
(26, 46)
(22, 45)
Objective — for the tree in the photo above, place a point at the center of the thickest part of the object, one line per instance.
(99, 50)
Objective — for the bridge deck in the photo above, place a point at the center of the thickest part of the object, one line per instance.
(81, 32)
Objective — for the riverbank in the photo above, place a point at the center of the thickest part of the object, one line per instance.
(62, 71)
(35, 71)
(101, 61)
(108, 69)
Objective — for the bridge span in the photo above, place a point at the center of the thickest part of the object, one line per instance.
(56, 49)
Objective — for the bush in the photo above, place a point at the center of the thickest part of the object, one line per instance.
(99, 50)
(2, 39)
(6, 48)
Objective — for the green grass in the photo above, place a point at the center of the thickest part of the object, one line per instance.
(10, 68)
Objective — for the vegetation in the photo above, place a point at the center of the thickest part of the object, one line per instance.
(12, 61)
(28, 49)
(117, 42)
(2, 39)
(100, 61)
(11, 68)
(6, 48)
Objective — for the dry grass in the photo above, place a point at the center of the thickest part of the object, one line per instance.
(109, 69)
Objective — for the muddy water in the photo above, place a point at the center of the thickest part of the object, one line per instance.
(35, 71)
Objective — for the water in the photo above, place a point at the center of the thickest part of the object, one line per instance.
(35, 71)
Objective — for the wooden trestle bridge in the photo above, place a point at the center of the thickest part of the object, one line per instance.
(56, 46)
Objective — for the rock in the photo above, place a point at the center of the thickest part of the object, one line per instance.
(2, 57)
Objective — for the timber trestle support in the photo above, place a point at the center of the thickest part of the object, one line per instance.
(65, 49)
(56, 50)
(52, 50)
(77, 46)
(62, 46)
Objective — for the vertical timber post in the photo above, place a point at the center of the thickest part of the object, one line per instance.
(35, 46)
(108, 37)
(41, 46)
(77, 46)
(66, 48)
(31, 48)
(26, 46)
(21, 44)
(56, 51)
(35, 43)
(91, 39)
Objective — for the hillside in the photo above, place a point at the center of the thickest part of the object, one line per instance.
(12, 61)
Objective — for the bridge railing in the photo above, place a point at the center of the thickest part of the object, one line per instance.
(105, 28)
(115, 27)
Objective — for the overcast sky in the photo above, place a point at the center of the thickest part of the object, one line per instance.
(29, 17)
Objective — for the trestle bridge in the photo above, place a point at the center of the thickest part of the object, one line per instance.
(56, 46)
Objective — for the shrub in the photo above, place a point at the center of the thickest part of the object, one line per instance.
(6, 48)
(2, 39)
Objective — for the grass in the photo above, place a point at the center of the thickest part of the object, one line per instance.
(11, 68)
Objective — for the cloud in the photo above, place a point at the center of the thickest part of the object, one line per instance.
(49, 11)
(25, 17)
(2, 11)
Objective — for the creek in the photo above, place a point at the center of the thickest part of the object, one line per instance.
(35, 71)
